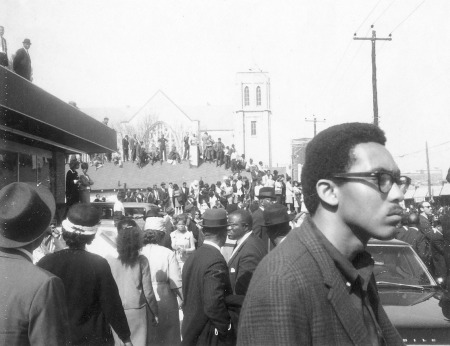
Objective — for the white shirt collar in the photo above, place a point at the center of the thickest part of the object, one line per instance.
(207, 242)
(240, 242)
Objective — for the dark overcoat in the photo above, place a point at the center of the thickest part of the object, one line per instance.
(206, 284)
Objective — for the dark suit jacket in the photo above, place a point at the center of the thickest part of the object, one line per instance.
(297, 296)
(72, 193)
(92, 296)
(243, 263)
(32, 306)
(259, 228)
(185, 194)
(206, 284)
(22, 64)
(164, 197)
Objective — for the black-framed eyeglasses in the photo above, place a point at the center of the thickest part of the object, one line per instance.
(385, 179)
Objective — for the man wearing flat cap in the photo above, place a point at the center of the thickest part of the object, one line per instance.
(266, 197)
(206, 285)
(93, 300)
(32, 305)
(22, 61)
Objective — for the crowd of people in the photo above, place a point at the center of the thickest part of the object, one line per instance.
(21, 61)
(283, 281)
(427, 230)
(194, 150)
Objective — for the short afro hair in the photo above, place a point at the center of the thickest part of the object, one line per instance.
(331, 152)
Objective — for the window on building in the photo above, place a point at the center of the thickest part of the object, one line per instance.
(21, 163)
(246, 96)
(258, 96)
(253, 128)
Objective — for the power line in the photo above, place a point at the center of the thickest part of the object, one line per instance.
(376, 5)
(382, 13)
(404, 20)
(419, 151)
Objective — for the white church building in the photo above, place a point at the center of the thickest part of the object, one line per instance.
(246, 124)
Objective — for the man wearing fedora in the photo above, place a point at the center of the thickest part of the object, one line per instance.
(92, 298)
(22, 61)
(277, 222)
(72, 183)
(266, 196)
(317, 287)
(206, 284)
(32, 305)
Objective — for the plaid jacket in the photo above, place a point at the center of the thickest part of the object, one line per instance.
(297, 297)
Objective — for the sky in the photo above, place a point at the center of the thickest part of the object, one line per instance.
(113, 53)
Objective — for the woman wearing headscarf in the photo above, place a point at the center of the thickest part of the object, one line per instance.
(92, 298)
(132, 274)
(166, 280)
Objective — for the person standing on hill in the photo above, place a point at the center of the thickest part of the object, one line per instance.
(132, 146)
(125, 148)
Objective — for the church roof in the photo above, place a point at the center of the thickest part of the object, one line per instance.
(212, 118)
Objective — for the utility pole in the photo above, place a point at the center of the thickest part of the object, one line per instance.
(315, 123)
(374, 38)
(428, 170)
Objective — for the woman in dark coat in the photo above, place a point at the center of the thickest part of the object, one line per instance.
(92, 297)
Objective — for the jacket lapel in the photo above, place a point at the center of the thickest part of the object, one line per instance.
(337, 295)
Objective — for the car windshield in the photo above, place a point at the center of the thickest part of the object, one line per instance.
(399, 264)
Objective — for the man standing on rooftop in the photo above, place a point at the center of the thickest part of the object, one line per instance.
(317, 287)
(3, 49)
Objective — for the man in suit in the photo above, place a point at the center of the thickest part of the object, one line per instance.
(22, 61)
(247, 253)
(277, 222)
(317, 287)
(206, 284)
(3, 49)
(164, 197)
(125, 148)
(266, 197)
(430, 251)
(185, 194)
(32, 308)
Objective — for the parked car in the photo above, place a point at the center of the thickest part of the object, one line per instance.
(417, 305)
(105, 239)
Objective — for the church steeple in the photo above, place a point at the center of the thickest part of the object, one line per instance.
(253, 128)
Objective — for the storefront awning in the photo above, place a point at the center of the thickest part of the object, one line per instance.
(28, 111)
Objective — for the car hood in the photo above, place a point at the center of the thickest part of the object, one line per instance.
(417, 315)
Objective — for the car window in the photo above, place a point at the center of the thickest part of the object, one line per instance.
(135, 212)
(398, 264)
(106, 212)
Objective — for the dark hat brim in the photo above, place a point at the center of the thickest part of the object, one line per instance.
(271, 197)
(47, 197)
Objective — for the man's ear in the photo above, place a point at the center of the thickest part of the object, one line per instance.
(327, 192)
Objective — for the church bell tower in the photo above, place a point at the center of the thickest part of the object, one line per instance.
(253, 117)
